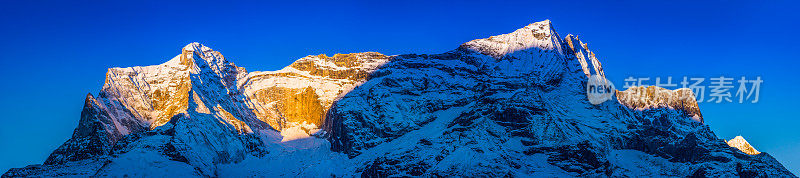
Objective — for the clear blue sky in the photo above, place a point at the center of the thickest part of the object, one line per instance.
(54, 52)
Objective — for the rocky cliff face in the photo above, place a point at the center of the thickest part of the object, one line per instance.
(652, 97)
(305, 90)
(509, 105)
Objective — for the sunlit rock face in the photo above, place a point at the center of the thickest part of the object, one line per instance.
(511, 105)
(305, 90)
(741, 144)
(652, 97)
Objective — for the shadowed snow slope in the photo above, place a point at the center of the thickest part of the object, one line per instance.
(509, 105)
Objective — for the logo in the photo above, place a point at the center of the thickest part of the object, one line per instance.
(599, 89)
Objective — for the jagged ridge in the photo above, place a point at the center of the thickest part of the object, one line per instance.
(510, 105)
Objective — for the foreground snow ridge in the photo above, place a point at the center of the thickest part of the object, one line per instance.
(511, 105)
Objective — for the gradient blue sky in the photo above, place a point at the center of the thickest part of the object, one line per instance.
(54, 52)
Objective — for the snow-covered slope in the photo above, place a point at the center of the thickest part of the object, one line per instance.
(509, 105)
(741, 144)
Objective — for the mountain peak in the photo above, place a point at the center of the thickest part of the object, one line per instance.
(539, 35)
(515, 107)
(193, 46)
(204, 52)
(740, 143)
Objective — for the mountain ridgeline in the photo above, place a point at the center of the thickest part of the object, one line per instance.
(509, 105)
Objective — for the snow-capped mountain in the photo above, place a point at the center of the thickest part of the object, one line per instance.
(741, 144)
(508, 105)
